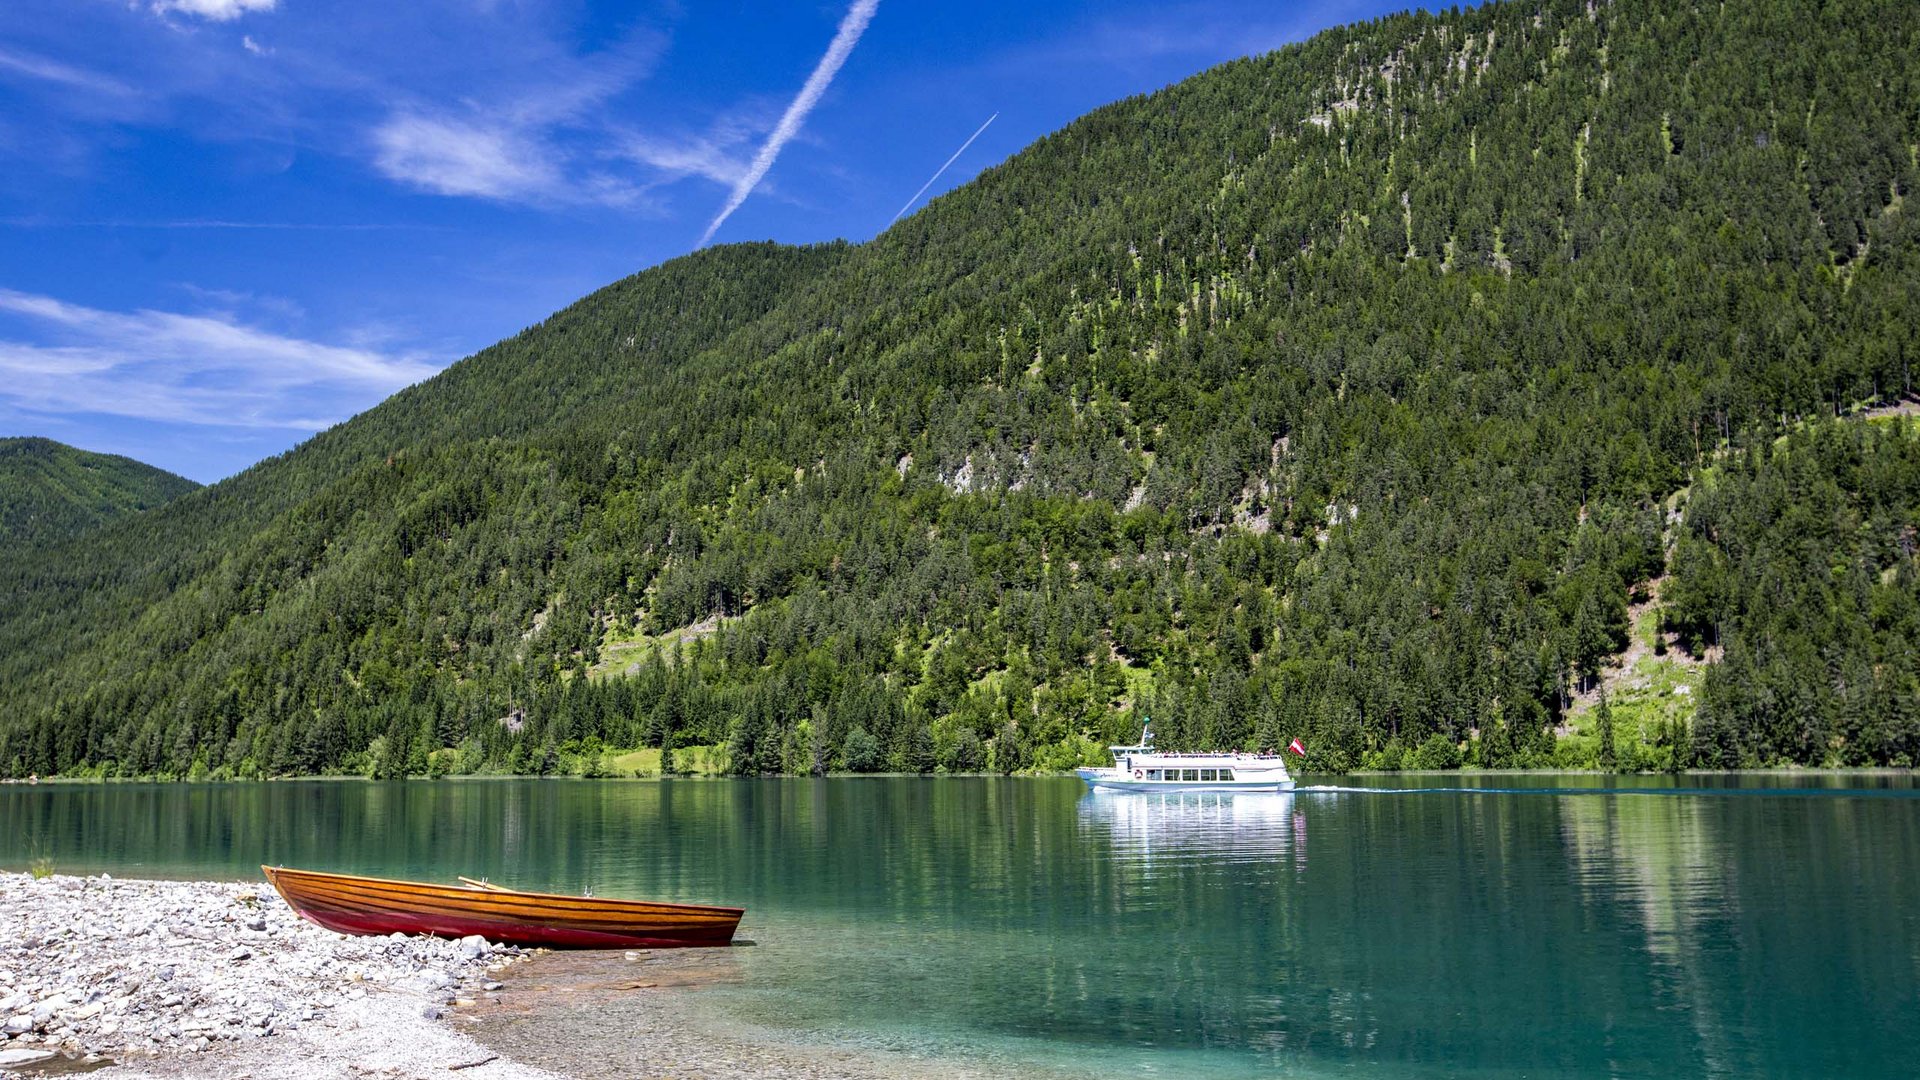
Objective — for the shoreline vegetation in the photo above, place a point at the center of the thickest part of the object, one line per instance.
(1298, 774)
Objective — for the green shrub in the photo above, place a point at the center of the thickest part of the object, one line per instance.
(1438, 752)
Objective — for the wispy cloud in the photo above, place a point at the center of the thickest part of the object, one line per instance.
(710, 156)
(224, 304)
(453, 157)
(39, 67)
(852, 25)
(551, 125)
(194, 369)
(502, 162)
(215, 223)
(214, 10)
(540, 138)
(942, 169)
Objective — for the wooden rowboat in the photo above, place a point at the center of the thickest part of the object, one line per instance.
(363, 905)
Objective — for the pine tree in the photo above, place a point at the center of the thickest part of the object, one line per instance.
(1603, 725)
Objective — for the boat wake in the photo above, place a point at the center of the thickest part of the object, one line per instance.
(1770, 792)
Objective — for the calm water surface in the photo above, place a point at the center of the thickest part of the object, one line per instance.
(1408, 926)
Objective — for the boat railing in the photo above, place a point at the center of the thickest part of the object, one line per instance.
(1216, 754)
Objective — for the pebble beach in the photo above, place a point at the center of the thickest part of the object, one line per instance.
(175, 979)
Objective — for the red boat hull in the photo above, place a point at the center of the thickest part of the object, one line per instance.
(359, 905)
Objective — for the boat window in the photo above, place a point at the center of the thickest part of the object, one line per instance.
(1206, 775)
(1153, 774)
(1226, 774)
(1190, 774)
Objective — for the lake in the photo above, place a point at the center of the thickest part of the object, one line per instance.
(1407, 926)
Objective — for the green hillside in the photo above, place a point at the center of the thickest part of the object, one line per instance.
(50, 491)
(1352, 392)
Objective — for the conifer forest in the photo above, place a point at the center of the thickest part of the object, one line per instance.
(1399, 391)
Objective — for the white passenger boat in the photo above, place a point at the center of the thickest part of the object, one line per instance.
(1142, 768)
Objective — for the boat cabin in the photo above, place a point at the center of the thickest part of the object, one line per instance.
(1141, 767)
(1190, 776)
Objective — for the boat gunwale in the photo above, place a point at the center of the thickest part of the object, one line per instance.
(317, 898)
(613, 903)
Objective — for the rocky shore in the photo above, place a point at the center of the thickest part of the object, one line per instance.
(178, 979)
(173, 979)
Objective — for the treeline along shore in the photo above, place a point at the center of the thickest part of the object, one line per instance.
(1528, 385)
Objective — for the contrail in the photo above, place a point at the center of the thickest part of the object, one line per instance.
(943, 168)
(852, 25)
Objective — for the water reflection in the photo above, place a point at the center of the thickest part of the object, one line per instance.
(1750, 914)
(1217, 826)
(1550, 926)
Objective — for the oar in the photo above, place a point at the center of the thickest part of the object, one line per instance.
(483, 885)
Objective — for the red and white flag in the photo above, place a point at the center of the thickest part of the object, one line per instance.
(1297, 748)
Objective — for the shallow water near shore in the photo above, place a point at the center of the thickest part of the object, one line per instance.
(1438, 925)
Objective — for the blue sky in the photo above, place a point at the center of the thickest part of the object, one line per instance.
(226, 224)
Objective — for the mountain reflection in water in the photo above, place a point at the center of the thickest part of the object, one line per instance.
(1444, 926)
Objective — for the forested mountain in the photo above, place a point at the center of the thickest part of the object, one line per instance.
(50, 491)
(1349, 392)
(1798, 559)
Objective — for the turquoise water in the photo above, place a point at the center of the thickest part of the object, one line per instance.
(1405, 926)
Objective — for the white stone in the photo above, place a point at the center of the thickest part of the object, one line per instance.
(106, 987)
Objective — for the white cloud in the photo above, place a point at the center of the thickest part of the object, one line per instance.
(40, 67)
(539, 135)
(502, 104)
(195, 369)
(214, 10)
(39, 222)
(852, 25)
(489, 161)
(708, 156)
(226, 303)
(455, 158)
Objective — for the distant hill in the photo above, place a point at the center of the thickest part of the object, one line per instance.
(50, 491)
(1379, 391)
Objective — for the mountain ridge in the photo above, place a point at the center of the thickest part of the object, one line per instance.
(51, 491)
(1448, 305)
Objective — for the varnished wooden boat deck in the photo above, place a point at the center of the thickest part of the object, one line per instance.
(362, 905)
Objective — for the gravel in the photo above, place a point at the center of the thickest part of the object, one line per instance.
(222, 979)
(175, 979)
